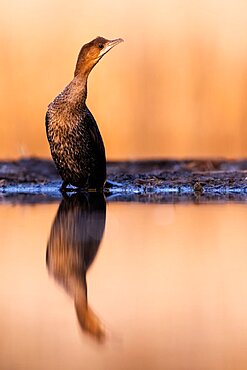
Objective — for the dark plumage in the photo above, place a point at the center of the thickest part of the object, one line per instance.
(76, 145)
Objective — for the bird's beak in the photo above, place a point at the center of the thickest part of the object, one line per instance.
(110, 45)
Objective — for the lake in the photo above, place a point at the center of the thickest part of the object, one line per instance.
(92, 285)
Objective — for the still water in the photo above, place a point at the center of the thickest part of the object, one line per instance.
(89, 285)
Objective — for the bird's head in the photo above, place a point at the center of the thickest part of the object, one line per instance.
(92, 52)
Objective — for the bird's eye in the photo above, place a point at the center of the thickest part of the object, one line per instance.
(101, 46)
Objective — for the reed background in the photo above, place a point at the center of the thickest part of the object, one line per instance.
(177, 87)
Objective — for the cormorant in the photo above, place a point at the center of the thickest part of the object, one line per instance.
(76, 145)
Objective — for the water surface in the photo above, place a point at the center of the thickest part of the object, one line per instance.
(163, 285)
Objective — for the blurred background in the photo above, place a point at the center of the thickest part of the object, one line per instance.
(177, 87)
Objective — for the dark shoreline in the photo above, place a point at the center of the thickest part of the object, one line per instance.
(34, 180)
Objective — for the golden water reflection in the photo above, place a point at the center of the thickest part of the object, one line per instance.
(168, 283)
(74, 240)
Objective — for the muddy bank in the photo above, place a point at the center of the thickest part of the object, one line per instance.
(36, 180)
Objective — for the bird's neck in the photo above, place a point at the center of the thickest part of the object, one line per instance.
(78, 89)
(84, 65)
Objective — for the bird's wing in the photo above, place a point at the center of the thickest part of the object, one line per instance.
(94, 132)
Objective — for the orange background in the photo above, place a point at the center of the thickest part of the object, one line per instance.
(177, 87)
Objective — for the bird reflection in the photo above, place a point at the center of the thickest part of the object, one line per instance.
(74, 240)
